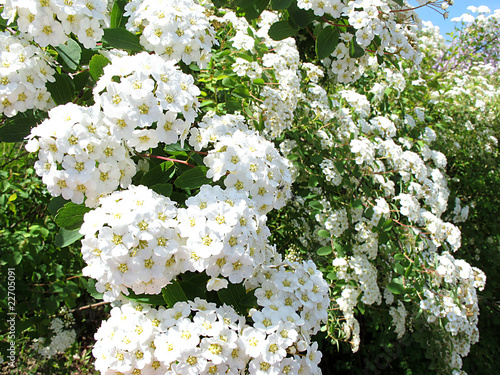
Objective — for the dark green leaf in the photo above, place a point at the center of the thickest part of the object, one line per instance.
(280, 4)
(399, 2)
(96, 66)
(116, 19)
(300, 17)
(71, 215)
(159, 174)
(399, 269)
(228, 82)
(241, 91)
(163, 189)
(62, 89)
(399, 256)
(66, 237)
(122, 39)
(327, 41)
(325, 250)
(173, 293)
(17, 128)
(81, 80)
(55, 204)
(193, 178)
(154, 299)
(281, 30)
(355, 50)
(70, 54)
(13, 259)
(316, 205)
(232, 295)
(253, 8)
(92, 290)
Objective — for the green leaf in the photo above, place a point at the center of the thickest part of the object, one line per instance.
(316, 205)
(396, 287)
(193, 178)
(96, 66)
(66, 237)
(357, 204)
(13, 259)
(399, 269)
(163, 189)
(300, 17)
(159, 174)
(361, 307)
(150, 299)
(71, 215)
(17, 128)
(399, 256)
(280, 4)
(327, 41)
(355, 50)
(228, 82)
(232, 295)
(173, 293)
(62, 89)
(399, 2)
(281, 30)
(55, 204)
(122, 39)
(325, 250)
(70, 54)
(116, 19)
(324, 233)
(240, 91)
(253, 8)
(81, 80)
(92, 290)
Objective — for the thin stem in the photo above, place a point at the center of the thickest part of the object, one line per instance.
(167, 159)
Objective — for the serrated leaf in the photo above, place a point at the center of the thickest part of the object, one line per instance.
(280, 4)
(70, 216)
(173, 293)
(70, 53)
(325, 250)
(355, 50)
(324, 233)
(159, 174)
(17, 128)
(96, 66)
(62, 89)
(55, 204)
(193, 178)
(66, 237)
(122, 39)
(281, 30)
(327, 41)
(232, 295)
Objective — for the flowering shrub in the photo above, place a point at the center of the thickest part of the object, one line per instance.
(220, 178)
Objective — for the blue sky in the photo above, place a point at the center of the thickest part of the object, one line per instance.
(456, 10)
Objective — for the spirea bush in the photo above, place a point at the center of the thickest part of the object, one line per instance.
(247, 180)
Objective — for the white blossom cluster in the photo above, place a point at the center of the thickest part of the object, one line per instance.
(198, 337)
(24, 71)
(399, 318)
(150, 91)
(177, 30)
(63, 336)
(248, 161)
(77, 158)
(129, 240)
(391, 27)
(280, 66)
(457, 307)
(53, 21)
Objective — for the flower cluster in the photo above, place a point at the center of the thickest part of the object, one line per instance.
(24, 71)
(248, 161)
(128, 240)
(177, 30)
(52, 21)
(77, 158)
(63, 336)
(198, 337)
(146, 99)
